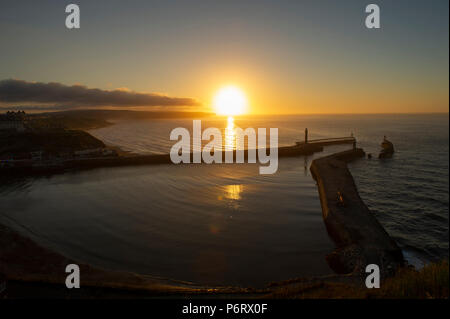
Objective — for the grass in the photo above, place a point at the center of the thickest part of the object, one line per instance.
(431, 282)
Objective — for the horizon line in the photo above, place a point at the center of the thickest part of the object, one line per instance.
(2, 108)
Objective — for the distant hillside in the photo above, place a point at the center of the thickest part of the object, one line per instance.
(91, 119)
(65, 121)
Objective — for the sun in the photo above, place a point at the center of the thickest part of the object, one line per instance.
(230, 100)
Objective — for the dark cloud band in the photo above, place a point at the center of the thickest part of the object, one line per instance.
(18, 91)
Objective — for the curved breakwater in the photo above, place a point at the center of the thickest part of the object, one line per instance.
(360, 238)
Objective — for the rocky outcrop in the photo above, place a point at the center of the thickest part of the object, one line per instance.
(387, 149)
(359, 237)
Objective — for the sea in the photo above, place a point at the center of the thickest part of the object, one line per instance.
(226, 224)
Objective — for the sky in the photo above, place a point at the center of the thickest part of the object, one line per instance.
(287, 56)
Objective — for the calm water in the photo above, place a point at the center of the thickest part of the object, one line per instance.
(226, 224)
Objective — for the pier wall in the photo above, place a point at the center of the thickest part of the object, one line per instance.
(359, 237)
(152, 159)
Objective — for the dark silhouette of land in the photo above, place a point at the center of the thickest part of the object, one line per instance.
(94, 118)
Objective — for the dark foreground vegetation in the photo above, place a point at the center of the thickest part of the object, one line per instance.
(431, 282)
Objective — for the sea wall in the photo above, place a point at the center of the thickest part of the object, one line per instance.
(359, 237)
(136, 160)
(139, 160)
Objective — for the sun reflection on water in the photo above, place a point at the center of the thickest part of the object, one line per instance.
(230, 135)
(233, 191)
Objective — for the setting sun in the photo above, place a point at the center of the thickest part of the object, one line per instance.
(230, 100)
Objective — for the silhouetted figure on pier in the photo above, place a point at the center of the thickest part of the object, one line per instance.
(340, 197)
(306, 135)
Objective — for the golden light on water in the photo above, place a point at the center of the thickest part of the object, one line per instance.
(230, 100)
(230, 135)
(233, 191)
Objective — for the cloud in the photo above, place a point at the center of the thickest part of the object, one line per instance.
(18, 91)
